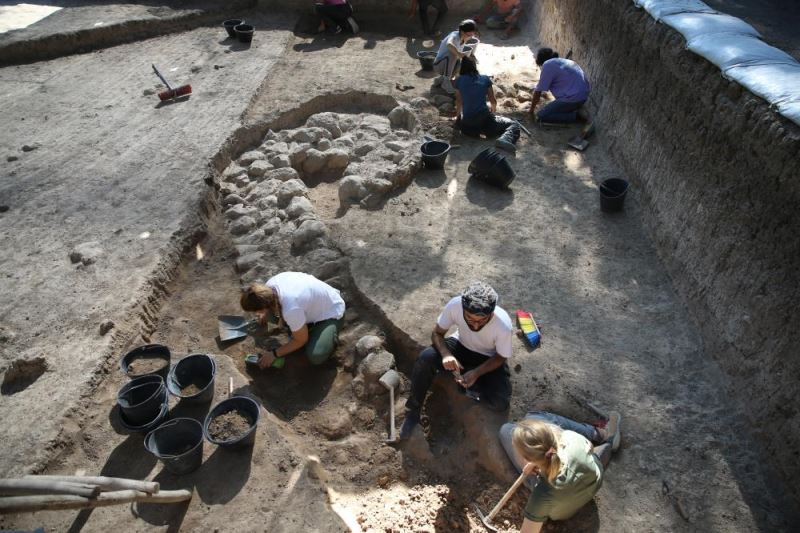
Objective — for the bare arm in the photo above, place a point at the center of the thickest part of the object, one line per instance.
(492, 99)
(298, 340)
(437, 339)
(529, 526)
(492, 363)
(537, 95)
(458, 105)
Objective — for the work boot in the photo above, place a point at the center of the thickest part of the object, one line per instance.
(507, 141)
(505, 145)
(353, 25)
(611, 432)
(411, 422)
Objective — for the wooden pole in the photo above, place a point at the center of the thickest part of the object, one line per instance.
(106, 483)
(29, 504)
(47, 486)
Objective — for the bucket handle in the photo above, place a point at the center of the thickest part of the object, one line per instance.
(148, 438)
(139, 387)
(608, 191)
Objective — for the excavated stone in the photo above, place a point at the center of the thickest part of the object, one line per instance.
(244, 249)
(239, 210)
(369, 344)
(276, 148)
(246, 262)
(258, 168)
(403, 117)
(377, 185)
(289, 189)
(267, 203)
(314, 162)
(323, 145)
(322, 255)
(439, 99)
(232, 199)
(298, 154)
(271, 226)
(396, 146)
(364, 148)
(375, 123)
(336, 159)
(86, 253)
(352, 189)
(249, 157)
(345, 141)
(265, 188)
(241, 181)
(330, 269)
(242, 225)
(336, 424)
(447, 108)
(232, 171)
(280, 161)
(307, 232)
(419, 102)
(369, 371)
(300, 205)
(282, 174)
(328, 121)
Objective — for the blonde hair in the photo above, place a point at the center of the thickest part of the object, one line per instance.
(258, 297)
(537, 442)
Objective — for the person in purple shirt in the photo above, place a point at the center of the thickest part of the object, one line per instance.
(337, 15)
(568, 84)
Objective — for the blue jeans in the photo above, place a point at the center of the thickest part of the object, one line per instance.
(560, 111)
(587, 430)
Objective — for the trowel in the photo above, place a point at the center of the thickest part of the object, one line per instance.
(234, 327)
(580, 142)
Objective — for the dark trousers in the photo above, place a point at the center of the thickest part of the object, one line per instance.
(335, 15)
(493, 388)
(441, 8)
(491, 125)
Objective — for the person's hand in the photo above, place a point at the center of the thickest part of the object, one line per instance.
(451, 363)
(530, 468)
(468, 379)
(266, 360)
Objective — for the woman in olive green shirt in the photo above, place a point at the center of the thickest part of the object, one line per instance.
(569, 458)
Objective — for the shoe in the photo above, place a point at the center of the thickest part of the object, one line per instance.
(447, 86)
(353, 26)
(411, 422)
(611, 432)
(505, 145)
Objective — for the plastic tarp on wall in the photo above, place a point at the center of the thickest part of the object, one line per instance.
(662, 8)
(734, 46)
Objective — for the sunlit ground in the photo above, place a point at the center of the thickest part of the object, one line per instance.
(23, 15)
(508, 60)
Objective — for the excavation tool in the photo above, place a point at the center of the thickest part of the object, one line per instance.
(171, 93)
(391, 380)
(523, 128)
(487, 519)
(234, 327)
(580, 142)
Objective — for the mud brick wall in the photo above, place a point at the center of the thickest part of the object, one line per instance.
(718, 175)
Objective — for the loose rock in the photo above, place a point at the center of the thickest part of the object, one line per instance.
(242, 225)
(106, 326)
(86, 253)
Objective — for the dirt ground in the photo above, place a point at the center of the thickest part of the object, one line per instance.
(614, 330)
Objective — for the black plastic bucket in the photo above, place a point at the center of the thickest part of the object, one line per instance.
(244, 32)
(492, 168)
(244, 406)
(229, 26)
(148, 425)
(141, 399)
(148, 351)
(198, 369)
(612, 194)
(178, 443)
(434, 153)
(426, 59)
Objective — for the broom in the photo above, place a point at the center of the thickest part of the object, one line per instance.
(171, 93)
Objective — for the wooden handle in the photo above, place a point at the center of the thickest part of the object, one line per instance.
(106, 483)
(230, 386)
(510, 492)
(46, 486)
(29, 504)
(392, 431)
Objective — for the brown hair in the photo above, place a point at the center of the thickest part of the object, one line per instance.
(537, 442)
(258, 297)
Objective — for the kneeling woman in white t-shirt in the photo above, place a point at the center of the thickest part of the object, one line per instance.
(311, 308)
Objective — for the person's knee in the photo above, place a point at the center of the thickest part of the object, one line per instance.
(428, 358)
(319, 354)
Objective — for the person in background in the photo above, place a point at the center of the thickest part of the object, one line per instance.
(568, 457)
(568, 84)
(311, 308)
(474, 117)
(502, 15)
(440, 6)
(337, 16)
(451, 50)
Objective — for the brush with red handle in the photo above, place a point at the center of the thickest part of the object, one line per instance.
(171, 93)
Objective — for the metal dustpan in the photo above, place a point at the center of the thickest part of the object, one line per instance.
(234, 327)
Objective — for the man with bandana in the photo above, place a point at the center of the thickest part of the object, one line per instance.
(476, 353)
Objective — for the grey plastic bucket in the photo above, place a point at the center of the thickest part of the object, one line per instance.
(178, 443)
(141, 399)
(197, 368)
(612, 194)
(434, 153)
(243, 405)
(158, 351)
(148, 425)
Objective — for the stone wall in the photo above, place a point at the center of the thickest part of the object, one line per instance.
(718, 173)
(393, 7)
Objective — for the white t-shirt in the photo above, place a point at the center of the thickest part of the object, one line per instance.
(454, 38)
(493, 338)
(305, 299)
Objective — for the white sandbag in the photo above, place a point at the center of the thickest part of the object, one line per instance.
(777, 83)
(734, 49)
(693, 25)
(661, 8)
